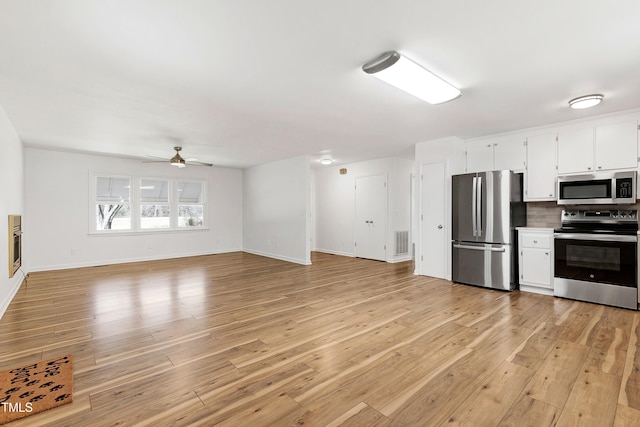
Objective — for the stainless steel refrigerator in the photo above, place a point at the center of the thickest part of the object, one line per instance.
(486, 208)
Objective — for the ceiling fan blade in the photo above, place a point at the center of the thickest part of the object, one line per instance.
(199, 163)
(177, 158)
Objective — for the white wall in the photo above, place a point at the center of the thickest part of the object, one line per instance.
(57, 213)
(11, 203)
(335, 204)
(400, 175)
(277, 210)
(449, 151)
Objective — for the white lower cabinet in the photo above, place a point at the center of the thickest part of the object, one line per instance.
(535, 248)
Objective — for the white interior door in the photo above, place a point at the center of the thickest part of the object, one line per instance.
(363, 204)
(371, 217)
(434, 235)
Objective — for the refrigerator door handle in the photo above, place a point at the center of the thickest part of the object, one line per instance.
(474, 207)
(478, 248)
(479, 206)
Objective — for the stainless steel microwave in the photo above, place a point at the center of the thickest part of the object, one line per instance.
(609, 188)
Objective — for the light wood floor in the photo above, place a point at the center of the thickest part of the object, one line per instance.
(242, 340)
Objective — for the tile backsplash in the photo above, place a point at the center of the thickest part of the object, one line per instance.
(543, 214)
(547, 214)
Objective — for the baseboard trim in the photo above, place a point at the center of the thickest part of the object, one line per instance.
(277, 256)
(402, 259)
(12, 293)
(127, 260)
(330, 252)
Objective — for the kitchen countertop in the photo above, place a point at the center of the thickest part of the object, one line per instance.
(541, 229)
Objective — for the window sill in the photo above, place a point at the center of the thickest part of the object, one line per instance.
(113, 233)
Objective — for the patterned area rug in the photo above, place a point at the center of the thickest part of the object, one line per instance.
(35, 388)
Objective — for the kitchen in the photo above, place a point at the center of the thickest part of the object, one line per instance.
(542, 155)
(247, 86)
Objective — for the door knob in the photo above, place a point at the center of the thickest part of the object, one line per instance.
(439, 226)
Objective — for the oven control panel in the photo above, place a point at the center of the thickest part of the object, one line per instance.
(610, 215)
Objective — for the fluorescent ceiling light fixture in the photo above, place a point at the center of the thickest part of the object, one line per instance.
(586, 101)
(326, 161)
(401, 72)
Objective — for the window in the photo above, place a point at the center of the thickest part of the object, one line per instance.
(155, 211)
(143, 204)
(113, 203)
(190, 204)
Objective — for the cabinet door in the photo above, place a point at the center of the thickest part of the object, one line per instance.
(541, 174)
(575, 151)
(536, 267)
(480, 156)
(510, 153)
(616, 146)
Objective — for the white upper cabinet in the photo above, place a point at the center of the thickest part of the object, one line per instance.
(479, 156)
(510, 153)
(605, 147)
(575, 151)
(616, 146)
(540, 176)
(496, 154)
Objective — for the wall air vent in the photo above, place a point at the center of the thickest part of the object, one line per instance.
(402, 243)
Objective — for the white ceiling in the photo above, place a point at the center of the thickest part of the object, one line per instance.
(243, 82)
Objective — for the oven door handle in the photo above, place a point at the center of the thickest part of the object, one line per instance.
(596, 237)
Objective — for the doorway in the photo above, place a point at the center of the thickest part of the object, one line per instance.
(371, 217)
(433, 226)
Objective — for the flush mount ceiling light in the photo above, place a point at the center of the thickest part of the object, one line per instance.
(401, 72)
(586, 101)
(326, 162)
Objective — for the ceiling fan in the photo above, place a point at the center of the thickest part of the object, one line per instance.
(178, 160)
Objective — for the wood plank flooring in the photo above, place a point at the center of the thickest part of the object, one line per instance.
(241, 340)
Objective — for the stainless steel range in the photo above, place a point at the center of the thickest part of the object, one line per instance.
(596, 257)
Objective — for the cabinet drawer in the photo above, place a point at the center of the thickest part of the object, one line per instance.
(536, 241)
